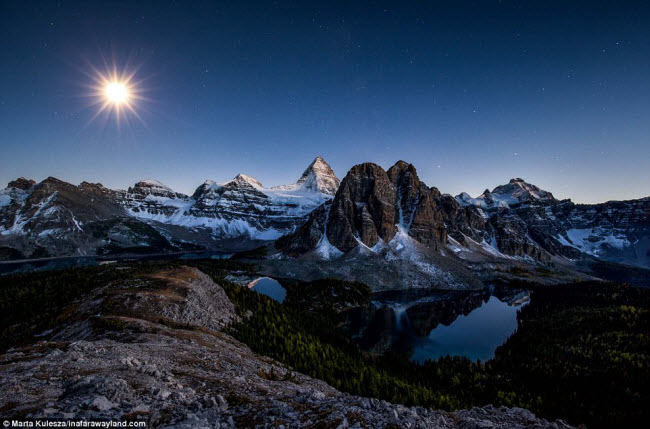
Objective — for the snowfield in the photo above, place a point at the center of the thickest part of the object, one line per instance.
(594, 240)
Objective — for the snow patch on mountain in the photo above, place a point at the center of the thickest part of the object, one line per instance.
(405, 248)
(219, 226)
(594, 240)
(20, 221)
(11, 194)
(326, 251)
(5, 199)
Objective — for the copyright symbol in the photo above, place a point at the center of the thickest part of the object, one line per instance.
(6, 423)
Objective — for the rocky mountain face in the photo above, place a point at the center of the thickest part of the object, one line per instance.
(394, 215)
(152, 197)
(153, 349)
(53, 218)
(532, 222)
(371, 206)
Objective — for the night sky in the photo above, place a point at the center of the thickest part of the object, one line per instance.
(472, 94)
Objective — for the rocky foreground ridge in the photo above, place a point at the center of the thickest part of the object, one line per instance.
(153, 349)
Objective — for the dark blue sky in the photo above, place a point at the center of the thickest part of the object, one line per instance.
(471, 93)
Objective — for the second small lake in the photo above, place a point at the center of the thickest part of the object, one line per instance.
(269, 287)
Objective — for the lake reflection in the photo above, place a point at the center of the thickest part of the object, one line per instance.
(432, 324)
(475, 336)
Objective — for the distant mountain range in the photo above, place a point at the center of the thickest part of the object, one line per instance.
(370, 223)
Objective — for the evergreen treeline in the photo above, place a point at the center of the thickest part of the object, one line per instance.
(584, 350)
(327, 296)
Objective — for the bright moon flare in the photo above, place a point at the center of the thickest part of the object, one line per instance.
(116, 92)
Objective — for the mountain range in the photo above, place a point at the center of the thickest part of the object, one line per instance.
(382, 227)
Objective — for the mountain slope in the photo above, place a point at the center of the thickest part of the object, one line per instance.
(55, 218)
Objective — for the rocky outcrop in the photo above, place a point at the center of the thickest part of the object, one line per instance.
(419, 206)
(21, 183)
(190, 298)
(363, 209)
(307, 236)
(372, 204)
(172, 366)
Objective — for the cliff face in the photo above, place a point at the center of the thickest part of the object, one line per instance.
(372, 204)
(363, 209)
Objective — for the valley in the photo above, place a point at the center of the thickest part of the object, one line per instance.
(218, 351)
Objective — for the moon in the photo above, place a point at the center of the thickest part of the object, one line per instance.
(116, 93)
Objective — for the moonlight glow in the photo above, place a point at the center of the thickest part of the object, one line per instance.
(116, 95)
(116, 92)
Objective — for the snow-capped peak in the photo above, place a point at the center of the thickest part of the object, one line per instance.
(152, 187)
(317, 177)
(464, 198)
(517, 191)
(244, 179)
(151, 182)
